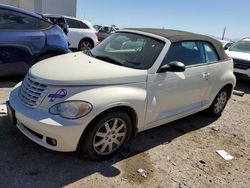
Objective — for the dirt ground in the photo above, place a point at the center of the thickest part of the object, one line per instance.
(179, 154)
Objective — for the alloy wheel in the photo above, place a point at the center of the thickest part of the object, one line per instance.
(221, 102)
(110, 136)
(86, 46)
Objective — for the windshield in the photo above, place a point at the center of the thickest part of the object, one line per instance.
(129, 50)
(241, 46)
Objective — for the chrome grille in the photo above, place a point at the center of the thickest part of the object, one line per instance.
(32, 92)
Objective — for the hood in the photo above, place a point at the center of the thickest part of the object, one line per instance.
(80, 69)
(238, 55)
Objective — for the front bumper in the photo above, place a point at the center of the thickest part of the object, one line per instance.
(40, 126)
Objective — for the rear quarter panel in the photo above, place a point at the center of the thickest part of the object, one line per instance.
(221, 75)
(76, 35)
(56, 40)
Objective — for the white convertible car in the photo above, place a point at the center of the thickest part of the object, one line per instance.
(134, 80)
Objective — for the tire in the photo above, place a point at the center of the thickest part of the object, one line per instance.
(85, 45)
(45, 56)
(219, 102)
(107, 136)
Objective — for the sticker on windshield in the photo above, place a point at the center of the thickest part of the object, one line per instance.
(58, 95)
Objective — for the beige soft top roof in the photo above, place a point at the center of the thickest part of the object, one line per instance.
(176, 36)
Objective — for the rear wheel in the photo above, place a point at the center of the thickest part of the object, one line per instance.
(107, 136)
(85, 46)
(219, 102)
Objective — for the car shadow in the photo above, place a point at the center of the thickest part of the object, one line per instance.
(26, 164)
(6, 82)
(243, 84)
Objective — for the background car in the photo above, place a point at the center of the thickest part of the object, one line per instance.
(105, 31)
(26, 38)
(240, 52)
(81, 35)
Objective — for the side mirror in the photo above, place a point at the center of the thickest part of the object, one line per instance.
(226, 47)
(174, 66)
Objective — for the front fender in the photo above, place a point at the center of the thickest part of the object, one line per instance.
(105, 98)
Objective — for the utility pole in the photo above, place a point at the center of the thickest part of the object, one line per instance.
(223, 35)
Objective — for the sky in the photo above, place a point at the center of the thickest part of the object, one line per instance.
(200, 16)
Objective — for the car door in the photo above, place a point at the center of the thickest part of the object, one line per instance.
(215, 70)
(172, 95)
(19, 42)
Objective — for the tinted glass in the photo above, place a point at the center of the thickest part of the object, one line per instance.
(83, 25)
(241, 46)
(73, 23)
(187, 52)
(11, 20)
(210, 53)
(129, 50)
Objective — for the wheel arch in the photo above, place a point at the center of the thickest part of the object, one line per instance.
(127, 109)
(230, 87)
(86, 38)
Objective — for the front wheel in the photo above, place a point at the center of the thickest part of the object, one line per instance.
(85, 46)
(107, 136)
(219, 102)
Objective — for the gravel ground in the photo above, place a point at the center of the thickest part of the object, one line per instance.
(179, 154)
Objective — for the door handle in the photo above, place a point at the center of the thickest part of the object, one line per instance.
(206, 75)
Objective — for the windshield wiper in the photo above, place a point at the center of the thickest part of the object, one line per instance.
(110, 60)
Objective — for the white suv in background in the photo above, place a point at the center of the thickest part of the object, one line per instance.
(81, 34)
(240, 52)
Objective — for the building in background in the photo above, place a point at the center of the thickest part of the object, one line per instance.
(63, 7)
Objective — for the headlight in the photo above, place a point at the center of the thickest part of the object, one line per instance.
(71, 109)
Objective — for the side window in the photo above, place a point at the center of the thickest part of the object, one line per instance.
(73, 23)
(83, 25)
(11, 20)
(210, 53)
(187, 52)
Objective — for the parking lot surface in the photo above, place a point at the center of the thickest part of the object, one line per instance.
(182, 153)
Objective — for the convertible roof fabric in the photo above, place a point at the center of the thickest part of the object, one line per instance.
(176, 36)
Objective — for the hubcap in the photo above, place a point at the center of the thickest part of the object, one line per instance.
(86, 47)
(110, 136)
(221, 102)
